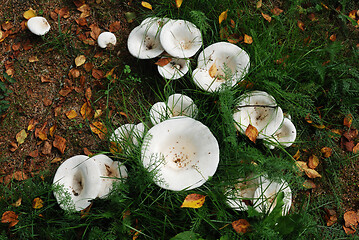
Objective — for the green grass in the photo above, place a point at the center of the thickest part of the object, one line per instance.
(304, 82)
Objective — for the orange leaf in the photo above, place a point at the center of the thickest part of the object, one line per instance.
(241, 226)
(352, 14)
(37, 203)
(313, 161)
(259, 4)
(222, 16)
(356, 149)
(97, 73)
(348, 120)
(333, 37)
(248, 39)
(71, 114)
(33, 59)
(297, 155)
(251, 133)
(99, 129)
(10, 217)
(179, 3)
(300, 25)
(276, 11)
(146, 5)
(267, 17)
(193, 200)
(163, 61)
(60, 143)
(351, 219)
(330, 217)
(21, 136)
(213, 70)
(327, 151)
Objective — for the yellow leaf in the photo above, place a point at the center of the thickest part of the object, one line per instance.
(313, 161)
(179, 3)
(241, 226)
(99, 128)
(311, 173)
(223, 16)
(55, 160)
(21, 136)
(259, 4)
(52, 130)
(146, 5)
(33, 59)
(17, 203)
(115, 147)
(352, 14)
(109, 73)
(29, 14)
(276, 11)
(251, 133)
(300, 25)
(80, 60)
(267, 17)
(213, 71)
(37, 203)
(321, 126)
(301, 165)
(86, 111)
(248, 39)
(327, 151)
(71, 114)
(297, 155)
(193, 200)
(98, 113)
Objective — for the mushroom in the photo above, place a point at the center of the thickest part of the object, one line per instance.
(155, 20)
(181, 152)
(158, 112)
(180, 38)
(175, 69)
(266, 196)
(218, 64)
(38, 25)
(259, 109)
(106, 39)
(127, 136)
(79, 178)
(285, 135)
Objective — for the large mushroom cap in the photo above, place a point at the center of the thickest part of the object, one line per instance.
(285, 135)
(220, 63)
(181, 152)
(79, 178)
(105, 39)
(259, 109)
(38, 25)
(180, 38)
(175, 69)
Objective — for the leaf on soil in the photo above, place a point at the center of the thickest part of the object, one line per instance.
(19, 176)
(251, 133)
(248, 39)
(301, 165)
(333, 37)
(86, 111)
(63, 12)
(17, 203)
(297, 155)
(351, 219)
(163, 61)
(46, 149)
(37, 203)
(266, 17)
(350, 134)
(146, 5)
(259, 4)
(179, 3)
(32, 124)
(98, 113)
(10, 217)
(313, 161)
(300, 25)
(52, 130)
(193, 200)
(55, 160)
(97, 73)
(81, 22)
(115, 26)
(78, 3)
(33, 59)
(46, 79)
(309, 184)
(99, 128)
(13, 147)
(71, 114)
(222, 16)
(330, 217)
(59, 143)
(74, 73)
(327, 152)
(348, 120)
(356, 149)
(276, 11)
(311, 173)
(85, 10)
(95, 31)
(80, 60)
(88, 94)
(34, 153)
(241, 226)
(21, 136)
(29, 14)
(352, 14)
(213, 70)
(88, 67)
(6, 25)
(65, 91)
(87, 152)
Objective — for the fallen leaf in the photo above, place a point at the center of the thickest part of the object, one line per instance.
(13, 147)
(241, 226)
(19, 176)
(351, 219)
(74, 73)
(55, 160)
(95, 31)
(115, 26)
(110, 73)
(10, 217)
(163, 61)
(347, 145)
(86, 111)
(79, 3)
(300, 25)
(330, 217)
(81, 22)
(297, 155)
(333, 37)
(34, 153)
(301, 165)
(46, 79)
(88, 67)
(71, 114)
(327, 151)
(348, 120)
(97, 73)
(41, 133)
(65, 91)
(21, 136)
(6, 25)
(356, 149)
(222, 16)
(233, 24)
(146, 5)
(179, 3)
(80, 60)
(213, 70)
(311, 173)
(349, 230)
(85, 10)
(115, 147)
(266, 17)
(259, 4)
(251, 133)
(29, 14)
(350, 134)
(32, 124)
(309, 184)
(37, 203)
(235, 38)
(52, 130)
(312, 17)
(313, 161)
(352, 14)
(87, 152)
(17, 203)
(193, 200)
(276, 11)
(60, 143)
(88, 94)
(98, 113)
(248, 39)
(46, 149)
(99, 129)
(64, 12)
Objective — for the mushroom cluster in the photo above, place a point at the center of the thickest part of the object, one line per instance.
(259, 109)
(81, 179)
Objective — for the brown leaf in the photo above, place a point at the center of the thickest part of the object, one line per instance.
(64, 12)
(350, 134)
(248, 39)
(349, 230)
(313, 161)
(348, 120)
(251, 133)
(333, 37)
(88, 67)
(65, 91)
(37, 203)
(163, 61)
(6, 25)
(74, 73)
(235, 38)
(266, 17)
(88, 94)
(97, 73)
(79, 3)
(81, 22)
(80, 60)
(300, 25)
(34, 153)
(213, 70)
(10, 217)
(47, 102)
(99, 128)
(259, 4)
(21, 136)
(193, 200)
(356, 149)
(276, 11)
(222, 16)
(86, 111)
(13, 147)
(88, 152)
(85, 10)
(330, 217)
(351, 219)
(115, 26)
(16, 46)
(241, 226)
(311, 173)
(347, 145)
(19, 176)
(71, 114)
(327, 152)
(60, 143)
(309, 184)
(46, 149)
(95, 31)
(32, 124)
(46, 79)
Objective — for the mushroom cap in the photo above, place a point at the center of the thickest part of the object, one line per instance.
(144, 41)
(180, 38)
(175, 69)
(155, 20)
(266, 196)
(106, 38)
(38, 25)
(158, 112)
(79, 176)
(259, 109)
(128, 136)
(181, 105)
(220, 63)
(181, 152)
(111, 171)
(285, 135)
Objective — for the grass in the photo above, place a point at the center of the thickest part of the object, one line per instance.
(319, 78)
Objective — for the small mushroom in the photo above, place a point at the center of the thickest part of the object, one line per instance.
(180, 38)
(218, 64)
(175, 69)
(285, 135)
(106, 39)
(127, 136)
(158, 112)
(181, 152)
(259, 109)
(38, 25)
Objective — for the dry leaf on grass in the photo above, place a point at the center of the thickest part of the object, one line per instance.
(10, 217)
(248, 39)
(193, 200)
(179, 3)
(37, 203)
(99, 129)
(330, 217)
(146, 5)
(327, 152)
(313, 161)
(300, 25)
(115, 26)
(351, 219)
(251, 133)
(222, 16)
(348, 120)
(241, 226)
(71, 114)
(311, 173)
(309, 184)
(17, 203)
(276, 11)
(266, 17)
(259, 4)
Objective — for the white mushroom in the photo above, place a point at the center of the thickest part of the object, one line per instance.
(38, 25)
(155, 20)
(127, 136)
(180, 38)
(181, 152)
(218, 64)
(175, 69)
(266, 196)
(79, 179)
(158, 112)
(259, 109)
(106, 39)
(285, 135)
